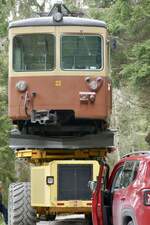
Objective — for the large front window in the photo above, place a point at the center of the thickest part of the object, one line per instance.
(33, 52)
(81, 52)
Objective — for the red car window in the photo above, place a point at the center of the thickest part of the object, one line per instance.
(116, 181)
(129, 173)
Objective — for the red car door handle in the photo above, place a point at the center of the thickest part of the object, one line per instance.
(123, 199)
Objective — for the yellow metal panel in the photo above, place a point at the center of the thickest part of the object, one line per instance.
(40, 191)
(60, 210)
(53, 168)
(38, 155)
(43, 195)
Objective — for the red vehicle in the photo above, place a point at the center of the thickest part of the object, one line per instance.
(124, 197)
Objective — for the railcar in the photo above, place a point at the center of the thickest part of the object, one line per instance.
(59, 76)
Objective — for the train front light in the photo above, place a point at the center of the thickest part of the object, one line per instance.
(94, 85)
(21, 86)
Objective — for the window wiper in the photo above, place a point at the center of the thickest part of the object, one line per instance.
(86, 45)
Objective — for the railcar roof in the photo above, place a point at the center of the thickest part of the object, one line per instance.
(48, 21)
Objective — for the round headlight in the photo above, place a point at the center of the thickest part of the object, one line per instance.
(21, 86)
(58, 16)
(93, 85)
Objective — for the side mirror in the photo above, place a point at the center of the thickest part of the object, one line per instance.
(92, 185)
(113, 43)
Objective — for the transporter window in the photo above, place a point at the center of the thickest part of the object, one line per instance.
(33, 52)
(81, 52)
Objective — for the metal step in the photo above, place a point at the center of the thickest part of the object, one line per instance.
(101, 140)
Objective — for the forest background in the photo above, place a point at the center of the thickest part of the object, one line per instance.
(129, 24)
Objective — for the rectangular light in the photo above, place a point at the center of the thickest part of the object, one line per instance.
(50, 180)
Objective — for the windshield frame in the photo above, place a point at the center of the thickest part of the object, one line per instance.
(32, 71)
(84, 35)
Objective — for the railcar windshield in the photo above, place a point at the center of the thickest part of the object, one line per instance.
(33, 52)
(81, 52)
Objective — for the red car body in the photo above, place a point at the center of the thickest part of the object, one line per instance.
(124, 197)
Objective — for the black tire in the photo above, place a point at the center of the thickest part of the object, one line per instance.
(130, 223)
(20, 211)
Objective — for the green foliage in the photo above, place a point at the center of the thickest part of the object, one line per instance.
(128, 23)
(130, 120)
(130, 61)
(7, 172)
(70, 3)
(137, 71)
(100, 3)
(7, 168)
(3, 21)
(1, 221)
(4, 65)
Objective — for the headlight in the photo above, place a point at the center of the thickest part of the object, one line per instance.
(50, 180)
(21, 86)
(93, 85)
(58, 16)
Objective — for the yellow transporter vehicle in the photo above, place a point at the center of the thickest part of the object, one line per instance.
(63, 184)
(60, 100)
(58, 185)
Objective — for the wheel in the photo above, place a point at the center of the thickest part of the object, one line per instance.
(20, 211)
(88, 218)
(130, 223)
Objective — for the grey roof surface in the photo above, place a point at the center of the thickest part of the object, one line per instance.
(48, 21)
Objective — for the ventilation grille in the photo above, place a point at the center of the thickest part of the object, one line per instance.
(73, 182)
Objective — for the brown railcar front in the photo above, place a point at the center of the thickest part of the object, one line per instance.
(59, 74)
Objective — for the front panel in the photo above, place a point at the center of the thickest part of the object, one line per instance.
(59, 77)
(70, 186)
(58, 93)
